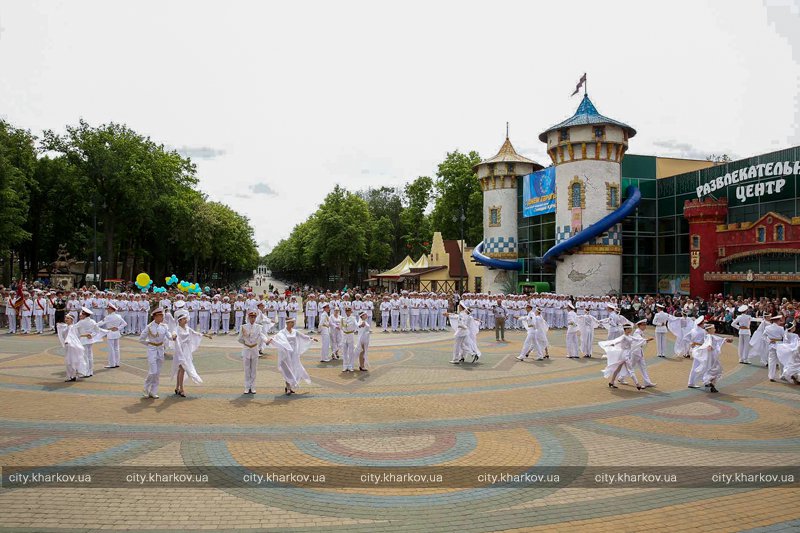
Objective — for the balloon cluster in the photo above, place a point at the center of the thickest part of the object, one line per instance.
(192, 288)
(143, 282)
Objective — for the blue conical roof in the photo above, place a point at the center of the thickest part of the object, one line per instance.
(587, 115)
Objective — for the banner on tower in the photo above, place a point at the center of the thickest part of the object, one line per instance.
(539, 192)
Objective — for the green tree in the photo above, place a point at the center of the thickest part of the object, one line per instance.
(125, 174)
(17, 166)
(457, 189)
(416, 224)
(387, 202)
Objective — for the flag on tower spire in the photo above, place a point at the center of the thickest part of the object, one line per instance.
(581, 82)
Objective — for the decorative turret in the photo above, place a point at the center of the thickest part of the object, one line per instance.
(704, 215)
(498, 177)
(587, 150)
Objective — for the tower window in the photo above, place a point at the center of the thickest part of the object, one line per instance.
(494, 216)
(576, 195)
(599, 132)
(563, 134)
(779, 232)
(761, 234)
(695, 242)
(510, 167)
(612, 195)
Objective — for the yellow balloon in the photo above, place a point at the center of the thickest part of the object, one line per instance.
(193, 286)
(142, 279)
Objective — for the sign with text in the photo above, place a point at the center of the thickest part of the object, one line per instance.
(539, 192)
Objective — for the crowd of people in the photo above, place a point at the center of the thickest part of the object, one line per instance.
(344, 321)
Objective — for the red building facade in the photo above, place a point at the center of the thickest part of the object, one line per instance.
(717, 247)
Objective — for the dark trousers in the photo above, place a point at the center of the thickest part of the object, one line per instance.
(500, 328)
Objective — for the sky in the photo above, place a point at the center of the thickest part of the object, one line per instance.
(276, 102)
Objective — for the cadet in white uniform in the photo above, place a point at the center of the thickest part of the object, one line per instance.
(155, 336)
(114, 323)
(251, 336)
(660, 321)
(742, 325)
(89, 333)
(573, 344)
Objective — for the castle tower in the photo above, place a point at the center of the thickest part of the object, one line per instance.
(498, 177)
(587, 151)
(703, 217)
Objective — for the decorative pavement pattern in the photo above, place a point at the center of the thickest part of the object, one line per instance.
(412, 409)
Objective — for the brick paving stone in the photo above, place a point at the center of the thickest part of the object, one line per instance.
(412, 409)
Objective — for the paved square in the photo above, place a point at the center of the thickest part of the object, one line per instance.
(413, 409)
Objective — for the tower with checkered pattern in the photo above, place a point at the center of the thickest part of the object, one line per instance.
(498, 177)
(587, 151)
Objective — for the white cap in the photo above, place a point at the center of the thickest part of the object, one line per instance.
(86, 311)
(743, 308)
(181, 313)
(642, 321)
(661, 306)
(112, 306)
(699, 320)
(570, 305)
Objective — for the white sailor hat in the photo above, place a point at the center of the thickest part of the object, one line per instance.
(181, 313)
(743, 308)
(363, 313)
(179, 304)
(291, 319)
(642, 321)
(112, 305)
(611, 306)
(253, 313)
(326, 304)
(569, 304)
(627, 325)
(709, 326)
(660, 306)
(157, 311)
(699, 320)
(776, 317)
(86, 311)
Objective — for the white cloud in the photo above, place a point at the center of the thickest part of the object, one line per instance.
(374, 95)
(263, 188)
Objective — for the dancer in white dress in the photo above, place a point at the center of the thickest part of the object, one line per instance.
(187, 341)
(73, 349)
(618, 353)
(362, 343)
(291, 345)
(707, 358)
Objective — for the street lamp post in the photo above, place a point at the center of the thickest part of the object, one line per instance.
(463, 265)
(462, 218)
(94, 220)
